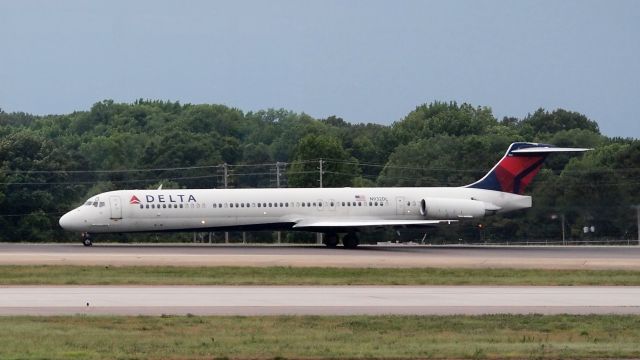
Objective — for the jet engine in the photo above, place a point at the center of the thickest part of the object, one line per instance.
(446, 208)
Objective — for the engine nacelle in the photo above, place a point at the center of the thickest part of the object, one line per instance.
(445, 208)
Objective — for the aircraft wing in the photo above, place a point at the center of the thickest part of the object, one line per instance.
(325, 222)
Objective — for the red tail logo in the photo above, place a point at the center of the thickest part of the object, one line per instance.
(134, 200)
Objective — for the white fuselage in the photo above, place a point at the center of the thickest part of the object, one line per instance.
(195, 209)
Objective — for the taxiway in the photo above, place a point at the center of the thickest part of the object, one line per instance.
(324, 300)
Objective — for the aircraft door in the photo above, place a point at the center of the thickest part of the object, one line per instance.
(399, 205)
(116, 207)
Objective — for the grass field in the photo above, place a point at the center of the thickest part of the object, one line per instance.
(192, 337)
(151, 275)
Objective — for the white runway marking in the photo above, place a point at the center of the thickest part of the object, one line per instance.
(339, 300)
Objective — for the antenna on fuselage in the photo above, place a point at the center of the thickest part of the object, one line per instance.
(160, 187)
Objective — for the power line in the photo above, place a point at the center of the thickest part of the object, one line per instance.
(335, 161)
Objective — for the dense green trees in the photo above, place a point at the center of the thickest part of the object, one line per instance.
(48, 164)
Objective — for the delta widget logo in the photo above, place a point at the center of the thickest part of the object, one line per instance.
(134, 200)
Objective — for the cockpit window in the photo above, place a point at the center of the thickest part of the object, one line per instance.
(88, 203)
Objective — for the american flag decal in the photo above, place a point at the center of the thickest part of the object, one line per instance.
(360, 198)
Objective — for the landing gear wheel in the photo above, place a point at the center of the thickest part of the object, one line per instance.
(86, 239)
(331, 240)
(350, 241)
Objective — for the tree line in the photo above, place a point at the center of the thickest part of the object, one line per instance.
(50, 164)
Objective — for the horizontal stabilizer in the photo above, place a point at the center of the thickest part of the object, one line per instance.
(539, 150)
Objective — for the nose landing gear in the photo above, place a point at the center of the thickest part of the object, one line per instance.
(86, 239)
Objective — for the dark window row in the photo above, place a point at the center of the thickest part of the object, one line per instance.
(260, 205)
(172, 206)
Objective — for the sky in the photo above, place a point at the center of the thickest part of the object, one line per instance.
(362, 60)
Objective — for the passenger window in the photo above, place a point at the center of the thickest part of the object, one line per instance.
(141, 206)
(275, 204)
(192, 206)
(237, 205)
(376, 203)
(286, 204)
(270, 204)
(181, 206)
(264, 204)
(281, 204)
(147, 206)
(370, 203)
(231, 205)
(164, 206)
(242, 205)
(302, 204)
(220, 205)
(408, 203)
(214, 206)
(359, 203)
(259, 205)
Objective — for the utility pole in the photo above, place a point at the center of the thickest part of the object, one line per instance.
(226, 183)
(278, 186)
(319, 235)
(637, 207)
(554, 217)
(321, 173)
(562, 222)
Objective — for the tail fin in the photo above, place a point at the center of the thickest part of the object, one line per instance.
(518, 167)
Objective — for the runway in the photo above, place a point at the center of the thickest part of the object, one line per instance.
(552, 257)
(332, 300)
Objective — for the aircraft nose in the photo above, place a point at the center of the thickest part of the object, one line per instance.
(67, 221)
(64, 221)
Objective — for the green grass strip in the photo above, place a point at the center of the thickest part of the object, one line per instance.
(355, 337)
(168, 275)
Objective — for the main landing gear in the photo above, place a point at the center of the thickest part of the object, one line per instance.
(86, 239)
(331, 240)
(349, 240)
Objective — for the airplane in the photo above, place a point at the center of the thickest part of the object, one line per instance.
(339, 213)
